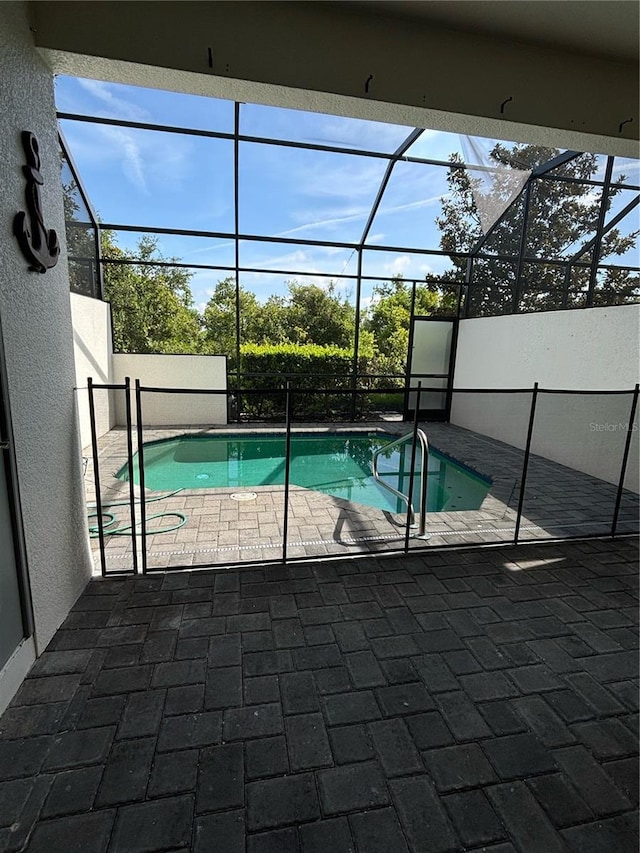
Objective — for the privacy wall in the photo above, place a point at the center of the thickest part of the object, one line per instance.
(208, 372)
(92, 349)
(593, 349)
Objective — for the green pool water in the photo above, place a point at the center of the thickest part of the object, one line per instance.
(338, 464)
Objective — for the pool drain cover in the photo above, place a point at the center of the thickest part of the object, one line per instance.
(244, 496)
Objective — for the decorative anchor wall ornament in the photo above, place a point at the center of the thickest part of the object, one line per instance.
(39, 246)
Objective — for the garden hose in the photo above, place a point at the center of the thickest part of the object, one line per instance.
(125, 529)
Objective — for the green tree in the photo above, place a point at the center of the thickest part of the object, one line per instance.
(270, 324)
(219, 319)
(388, 320)
(309, 314)
(152, 306)
(80, 238)
(561, 222)
(319, 315)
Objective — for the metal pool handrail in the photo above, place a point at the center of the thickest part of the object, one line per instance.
(424, 446)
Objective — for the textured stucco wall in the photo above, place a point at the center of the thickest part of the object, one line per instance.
(92, 350)
(587, 349)
(320, 53)
(36, 322)
(594, 349)
(208, 372)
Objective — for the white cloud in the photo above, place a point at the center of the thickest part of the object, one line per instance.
(322, 223)
(360, 133)
(113, 105)
(332, 250)
(625, 166)
(313, 264)
(212, 247)
(133, 160)
(367, 302)
(589, 198)
(340, 179)
(435, 145)
(398, 266)
(361, 214)
(425, 202)
(310, 126)
(143, 157)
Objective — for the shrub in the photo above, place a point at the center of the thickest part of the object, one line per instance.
(308, 366)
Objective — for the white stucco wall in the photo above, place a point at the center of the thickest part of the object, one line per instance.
(174, 371)
(92, 349)
(36, 323)
(587, 349)
(593, 349)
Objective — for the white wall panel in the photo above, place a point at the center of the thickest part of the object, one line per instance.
(92, 351)
(594, 349)
(174, 371)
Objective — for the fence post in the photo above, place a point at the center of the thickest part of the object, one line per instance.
(287, 471)
(525, 465)
(96, 476)
(625, 459)
(143, 506)
(132, 496)
(412, 473)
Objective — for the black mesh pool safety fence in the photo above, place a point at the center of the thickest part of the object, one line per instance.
(112, 509)
(577, 451)
(511, 465)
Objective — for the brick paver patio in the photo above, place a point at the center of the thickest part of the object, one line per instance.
(559, 502)
(460, 700)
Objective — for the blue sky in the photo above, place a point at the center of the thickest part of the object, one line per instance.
(150, 178)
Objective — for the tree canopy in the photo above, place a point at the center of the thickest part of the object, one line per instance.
(561, 224)
(388, 319)
(80, 237)
(309, 314)
(152, 306)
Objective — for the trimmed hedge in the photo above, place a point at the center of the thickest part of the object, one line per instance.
(307, 366)
(327, 366)
(310, 366)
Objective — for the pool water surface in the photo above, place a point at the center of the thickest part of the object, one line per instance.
(337, 464)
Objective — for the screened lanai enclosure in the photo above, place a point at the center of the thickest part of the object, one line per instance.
(334, 336)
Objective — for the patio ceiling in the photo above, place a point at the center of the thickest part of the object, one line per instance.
(429, 71)
(606, 28)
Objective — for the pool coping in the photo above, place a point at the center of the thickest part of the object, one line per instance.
(233, 535)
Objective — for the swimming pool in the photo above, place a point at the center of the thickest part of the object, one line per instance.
(337, 464)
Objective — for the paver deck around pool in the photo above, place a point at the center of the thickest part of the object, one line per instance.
(451, 701)
(559, 502)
